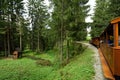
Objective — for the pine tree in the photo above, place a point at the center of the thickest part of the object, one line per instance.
(38, 15)
(9, 11)
(114, 8)
(69, 22)
(101, 17)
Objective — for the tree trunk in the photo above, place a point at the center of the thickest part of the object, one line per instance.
(20, 41)
(8, 42)
(8, 35)
(67, 53)
(61, 37)
(20, 35)
(5, 45)
(20, 32)
(31, 38)
(38, 46)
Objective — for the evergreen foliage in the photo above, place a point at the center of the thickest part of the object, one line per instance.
(68, 21)
(43, 30)
(105, 11)
(12, 24)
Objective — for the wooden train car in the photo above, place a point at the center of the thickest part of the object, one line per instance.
(110, 46)
(95, 41)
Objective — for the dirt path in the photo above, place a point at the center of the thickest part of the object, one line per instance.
(97, 64)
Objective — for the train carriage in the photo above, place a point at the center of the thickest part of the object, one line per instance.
(95, 41)
(110, 46)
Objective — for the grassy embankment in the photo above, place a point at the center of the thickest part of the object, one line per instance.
(79, 68)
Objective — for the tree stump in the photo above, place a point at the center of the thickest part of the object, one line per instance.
(15, 55)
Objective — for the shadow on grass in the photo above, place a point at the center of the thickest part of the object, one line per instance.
(40, 61)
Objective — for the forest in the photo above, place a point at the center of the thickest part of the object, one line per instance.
(51, 29)
(42, 30)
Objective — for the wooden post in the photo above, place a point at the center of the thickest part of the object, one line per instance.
(115, 34)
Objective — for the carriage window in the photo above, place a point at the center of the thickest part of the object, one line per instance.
(110, 35)
(104, 38)
(119, 34)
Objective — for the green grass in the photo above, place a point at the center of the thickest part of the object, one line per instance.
(49, 55)
(79, 68)
(22, 69)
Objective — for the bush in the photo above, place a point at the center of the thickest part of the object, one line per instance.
(76, 49)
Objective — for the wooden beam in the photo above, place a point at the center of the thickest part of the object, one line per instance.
(115, 34)
(115, 20)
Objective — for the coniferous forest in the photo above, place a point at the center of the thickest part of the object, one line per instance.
(49, 36)
(42, 30)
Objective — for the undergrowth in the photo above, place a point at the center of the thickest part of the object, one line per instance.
(79, 68)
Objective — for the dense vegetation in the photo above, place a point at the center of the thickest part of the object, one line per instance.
(105, 11)
(48, 39)
(43, 30)
(12, 25)
(28, 68)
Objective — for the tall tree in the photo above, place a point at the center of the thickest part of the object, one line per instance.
(69, 19)
(114, 8)
(38, 15)
(101, 17)
(105, 11)
(9, 11)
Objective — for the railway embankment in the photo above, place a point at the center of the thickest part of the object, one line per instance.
(97, 63)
